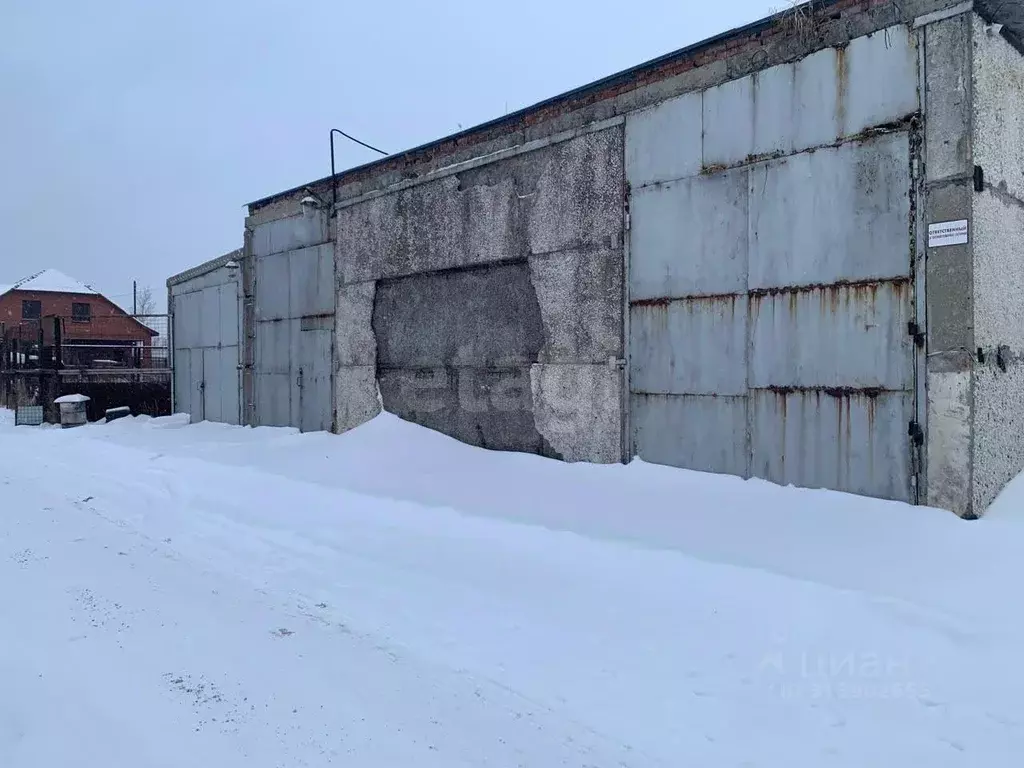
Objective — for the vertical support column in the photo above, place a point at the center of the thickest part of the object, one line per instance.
(997, 242)
(948, 272)
(248, 339)
(58, 342)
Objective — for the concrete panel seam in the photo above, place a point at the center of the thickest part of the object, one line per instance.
(919, 270)
(948, 13)
(205, 268)
(493, 157)
(773, 291)
(1000, 193)
(884, 129)
(582, 248)
(970, 512)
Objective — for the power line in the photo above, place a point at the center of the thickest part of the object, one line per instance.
(357, 141)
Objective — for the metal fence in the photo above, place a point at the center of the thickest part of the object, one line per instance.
(113, 342)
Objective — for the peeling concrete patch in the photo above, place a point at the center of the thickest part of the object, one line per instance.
(949, 441)
(577, 409)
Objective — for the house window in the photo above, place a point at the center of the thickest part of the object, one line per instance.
(31, 309)
(80, 312)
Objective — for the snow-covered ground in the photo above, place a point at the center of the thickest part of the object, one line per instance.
(176, 595)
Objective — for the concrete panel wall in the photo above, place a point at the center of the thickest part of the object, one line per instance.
(454, 351)
(975, 172)
(949, 273)
(488, 303)
(998, 264)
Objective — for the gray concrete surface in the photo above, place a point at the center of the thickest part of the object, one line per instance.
(998, 262)
(469, 282)
(774, 171)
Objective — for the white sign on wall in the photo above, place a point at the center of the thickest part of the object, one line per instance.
(947, 233)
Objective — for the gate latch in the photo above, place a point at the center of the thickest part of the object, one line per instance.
(915, 330)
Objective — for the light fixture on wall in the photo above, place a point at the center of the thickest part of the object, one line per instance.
(310, 205)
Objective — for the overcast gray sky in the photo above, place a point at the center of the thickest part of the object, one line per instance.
(132, 132)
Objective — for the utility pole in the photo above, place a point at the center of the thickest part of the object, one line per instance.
(135, 299)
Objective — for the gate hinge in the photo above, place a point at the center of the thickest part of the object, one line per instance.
(916, 433)
(915, 330)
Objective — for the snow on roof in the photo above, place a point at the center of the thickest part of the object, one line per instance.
(53, 281)
(72, 399)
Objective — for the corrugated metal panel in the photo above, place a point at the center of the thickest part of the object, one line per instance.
(311, 281)
(698, 432)
(182, 380)
(729, 123)
(839, 336)
(812, 260)
(690, 237)
(214, 384)
(198, 375)
(691, 346)
(187, 320)
(295, 290)
(272, 287)
(230, 315)
(273, 399)
(272, 340)
(288, 234)
(796, 106)
(664, 142)
(849, 442)
(881, 81)
(835, 93)
(206, 316)
(315, 380)
(835, 214)
(774, 108)
(210, 323)
(231, 386)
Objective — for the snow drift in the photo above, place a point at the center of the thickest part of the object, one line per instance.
(204, 594)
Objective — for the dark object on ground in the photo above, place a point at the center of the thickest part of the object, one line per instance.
(118, 413)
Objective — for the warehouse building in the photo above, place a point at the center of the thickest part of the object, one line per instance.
(793, 251)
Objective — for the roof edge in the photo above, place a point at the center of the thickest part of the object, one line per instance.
(513, 117)
(205, 268)
(1010, 13)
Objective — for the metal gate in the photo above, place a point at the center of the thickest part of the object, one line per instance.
(294, 323)
(206, 312)
(771, 302)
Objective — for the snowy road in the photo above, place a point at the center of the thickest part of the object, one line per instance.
(214, 596)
